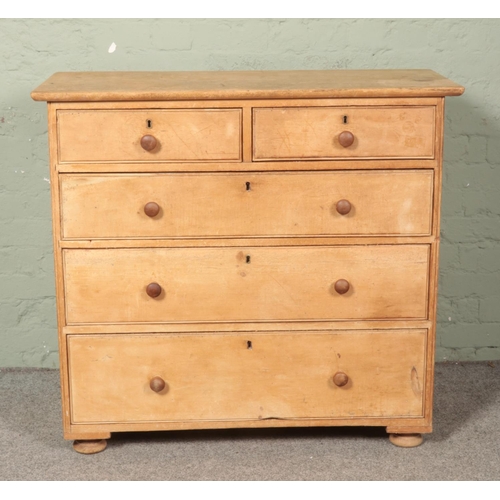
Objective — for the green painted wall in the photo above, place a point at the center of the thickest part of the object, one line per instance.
(466, 51)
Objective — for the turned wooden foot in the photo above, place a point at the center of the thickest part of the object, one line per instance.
(90, 447)
(406, 440)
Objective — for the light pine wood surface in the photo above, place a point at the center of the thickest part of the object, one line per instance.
(177, 85)
(312, 133)
(246, 176)
(246, 376)
(181, 135)
(245, 284)
(251, 204)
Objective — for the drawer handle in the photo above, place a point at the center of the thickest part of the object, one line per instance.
(341, 286)
(148, 142)
(157, 384)
(343, 207)
(340, 379)
(346, 139)
(153, 290)
(152, 209)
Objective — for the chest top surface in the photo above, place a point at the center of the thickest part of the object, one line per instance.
(180, 85)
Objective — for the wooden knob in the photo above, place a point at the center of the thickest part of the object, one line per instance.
(346, 139)
(343, 207)
(148, 142)
(341, 286)
(152, 209)
(153, 290)
(340, 379)
(157, 384)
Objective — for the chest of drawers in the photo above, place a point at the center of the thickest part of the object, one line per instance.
(246, 249)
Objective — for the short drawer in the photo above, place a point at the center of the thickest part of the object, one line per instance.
(328, 133)
(246, 376)
(150, 285)
(149, 135)
(247, 205)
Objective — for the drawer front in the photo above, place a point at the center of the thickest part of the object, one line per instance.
(232, 205)
(315, 133)
(241, 284)
(246, 376)
(180, 135)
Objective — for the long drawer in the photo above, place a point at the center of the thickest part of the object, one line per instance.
(371, 132)
(138, 378)
(149, 135)
(250, 204)
(241, 284)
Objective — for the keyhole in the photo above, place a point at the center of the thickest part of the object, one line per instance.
(344, 119)
(249, 344)
(149, 124)
(248, 259)
(248, 186)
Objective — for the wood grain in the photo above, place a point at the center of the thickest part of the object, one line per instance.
(252, 204)
(180, 135)
(261, 166)
(263, 327)
(58, 265)
(246, 206)
(281, 376)
(81, 431)
(218, 284)
(408, 428)
(314, 133)
(434, 268)
(248, 104)
(143, 86)
(270, 241)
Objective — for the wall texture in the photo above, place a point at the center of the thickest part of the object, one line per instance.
(465, 51)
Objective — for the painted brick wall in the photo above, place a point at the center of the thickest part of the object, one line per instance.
(466, 51)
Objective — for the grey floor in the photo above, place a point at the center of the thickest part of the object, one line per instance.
(465, 444)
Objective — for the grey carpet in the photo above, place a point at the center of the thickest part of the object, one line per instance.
(465, 444)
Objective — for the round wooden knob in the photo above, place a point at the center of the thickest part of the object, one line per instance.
(152, 209)
(157, 384)
(346, 139)
(341, 286)
(153, 290)
(343, 207)
(148, 142)
(340, 379)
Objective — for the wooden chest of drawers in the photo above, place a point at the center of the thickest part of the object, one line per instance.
(246, 249)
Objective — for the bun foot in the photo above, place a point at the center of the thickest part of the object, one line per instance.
(90, 447)
(406, 440)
